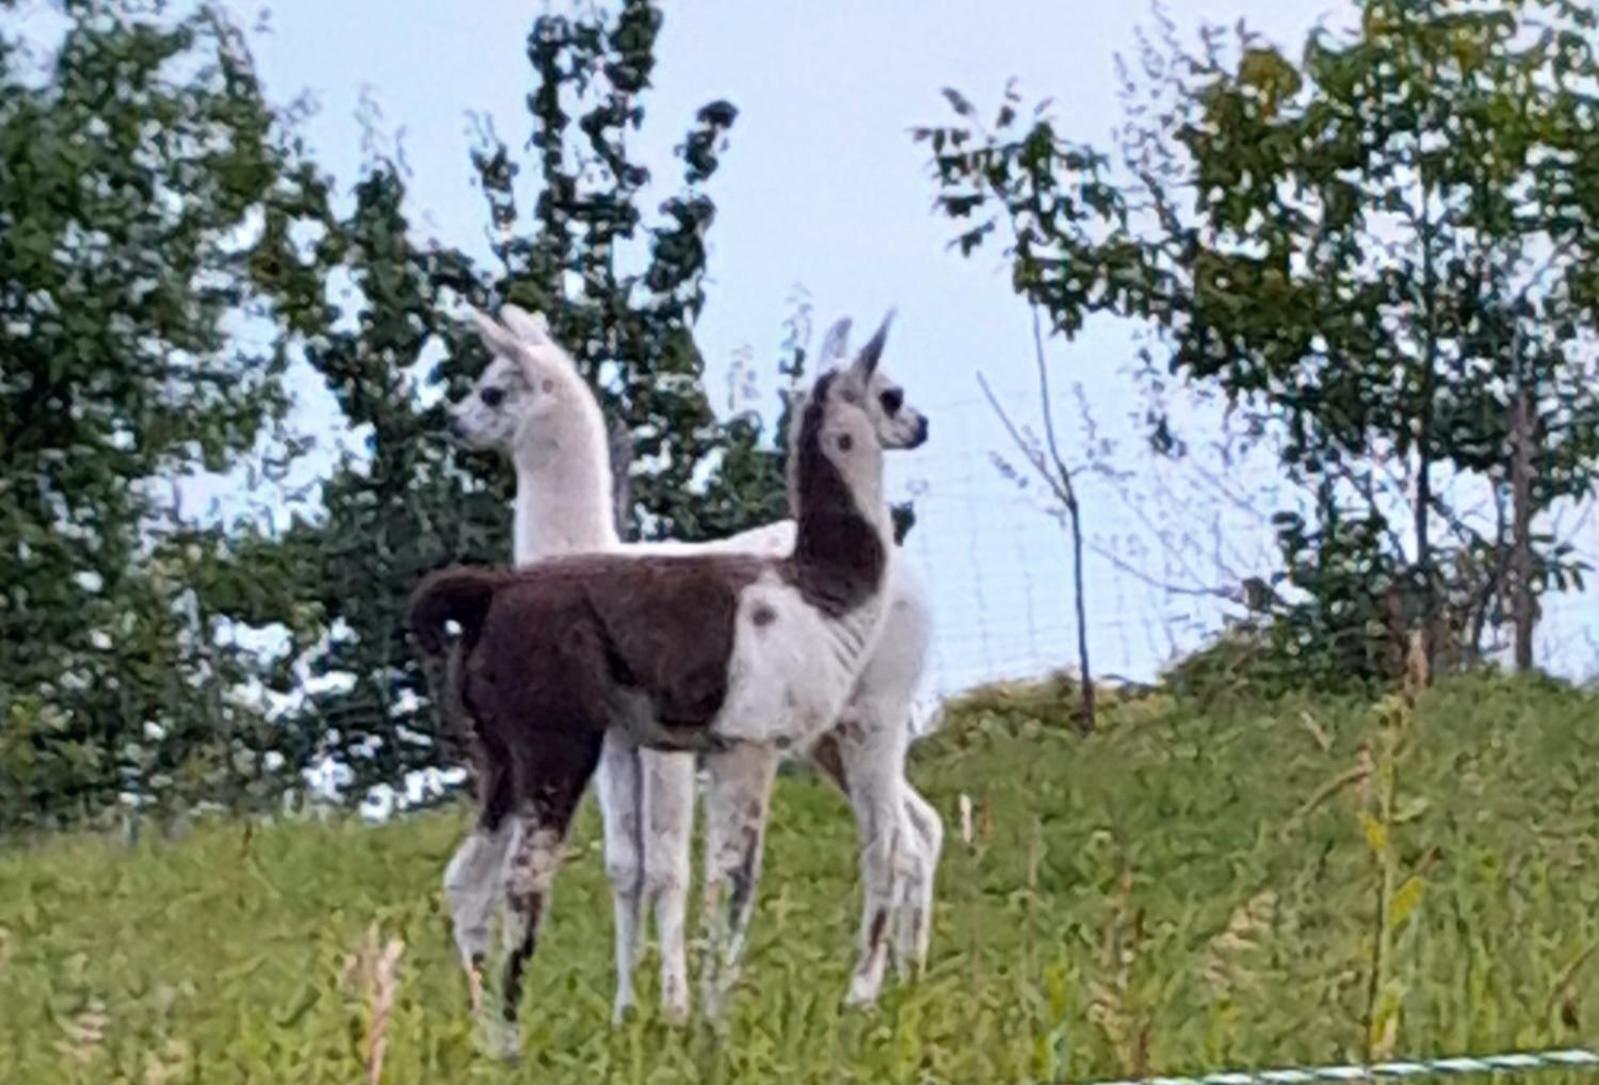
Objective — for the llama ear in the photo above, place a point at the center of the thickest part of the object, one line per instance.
(872, 352)
(531, 327)
(495, 335)
(835, 344)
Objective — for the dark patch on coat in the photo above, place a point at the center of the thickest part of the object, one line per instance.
(550, 775)
(561, 636)
(826, 756)
(742, 878)
(879, 923)
(839, 559)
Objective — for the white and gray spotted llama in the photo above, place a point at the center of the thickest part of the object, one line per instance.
(533, 406)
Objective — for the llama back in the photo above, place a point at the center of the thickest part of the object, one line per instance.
(774, 540)
(584, 639)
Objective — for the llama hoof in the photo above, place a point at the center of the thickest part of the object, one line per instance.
(862, 994)
(620, 1013)
(714, 1003)
(501, 1041)
(675, 1015)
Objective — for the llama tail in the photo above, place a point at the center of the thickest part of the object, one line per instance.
(459, 594)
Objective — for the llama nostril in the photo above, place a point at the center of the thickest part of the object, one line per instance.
(921, 431)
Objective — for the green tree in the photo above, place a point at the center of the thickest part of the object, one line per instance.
(398, 508)
(621, 295)
(1378, 250)
(146, 197)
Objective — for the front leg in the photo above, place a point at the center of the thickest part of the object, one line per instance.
(622, 816)
(866, 759)
(737, 801)
(668, 804)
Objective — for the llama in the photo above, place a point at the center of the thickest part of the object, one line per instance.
(533, 406)
(682, 652)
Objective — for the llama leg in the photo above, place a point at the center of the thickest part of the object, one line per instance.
(550, 783)
(872, 760)
(737, 801)
(472, 890)
(915, 911)
(472, 886)
(620, 794)
(668, 847)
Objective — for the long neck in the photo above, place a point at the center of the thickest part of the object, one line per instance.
(564, 489)
(844, 534)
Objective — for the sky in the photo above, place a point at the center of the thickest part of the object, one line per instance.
(823, 187)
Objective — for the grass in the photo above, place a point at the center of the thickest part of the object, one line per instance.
(1181, 892)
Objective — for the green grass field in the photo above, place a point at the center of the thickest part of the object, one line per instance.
(1187, 890)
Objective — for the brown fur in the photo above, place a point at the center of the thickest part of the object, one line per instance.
(838, 557)
(559, 638)
(552, 654)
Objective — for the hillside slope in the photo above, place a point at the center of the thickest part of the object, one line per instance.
(1184, 891)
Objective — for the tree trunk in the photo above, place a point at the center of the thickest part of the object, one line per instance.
(1086, 722)
(1521, 437)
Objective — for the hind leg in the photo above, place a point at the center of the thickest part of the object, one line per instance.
(737, 801)
(472, 884)
(914, 912)
(550, 782)
(472, 889)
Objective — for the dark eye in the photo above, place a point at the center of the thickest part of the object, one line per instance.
(492, 397)
(845, 442)
(892, 400)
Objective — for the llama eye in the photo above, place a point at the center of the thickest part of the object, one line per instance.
(892, 400)
(492, 397)
(845, 442)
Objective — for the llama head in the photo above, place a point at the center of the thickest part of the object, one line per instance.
(529, 395)
(862, 382)
(838, 431)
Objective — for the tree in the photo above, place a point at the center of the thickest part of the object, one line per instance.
(631, 331)
(146, 198)
(621, 295)
(1374, 250)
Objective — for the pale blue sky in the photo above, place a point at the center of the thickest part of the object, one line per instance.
(823, 186)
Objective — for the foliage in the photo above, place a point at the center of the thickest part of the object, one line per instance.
(1179, 892)
(146, 197)
(631, 331)
(1372, 251)
(152, 206)
(412, 503)
(400, 507)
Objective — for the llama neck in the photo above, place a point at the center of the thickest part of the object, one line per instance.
(564, 492)
(843, 532)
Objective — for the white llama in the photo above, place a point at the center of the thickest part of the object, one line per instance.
(532, 405)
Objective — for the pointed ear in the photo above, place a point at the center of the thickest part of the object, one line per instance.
(532, 327)
(495, 336)
(835, 344)
(872, 352)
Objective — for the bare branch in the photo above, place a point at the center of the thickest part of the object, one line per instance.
(1032, 455)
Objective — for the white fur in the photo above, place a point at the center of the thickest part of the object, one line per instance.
(550, 425)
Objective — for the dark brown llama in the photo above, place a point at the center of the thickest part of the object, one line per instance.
(684, 652)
